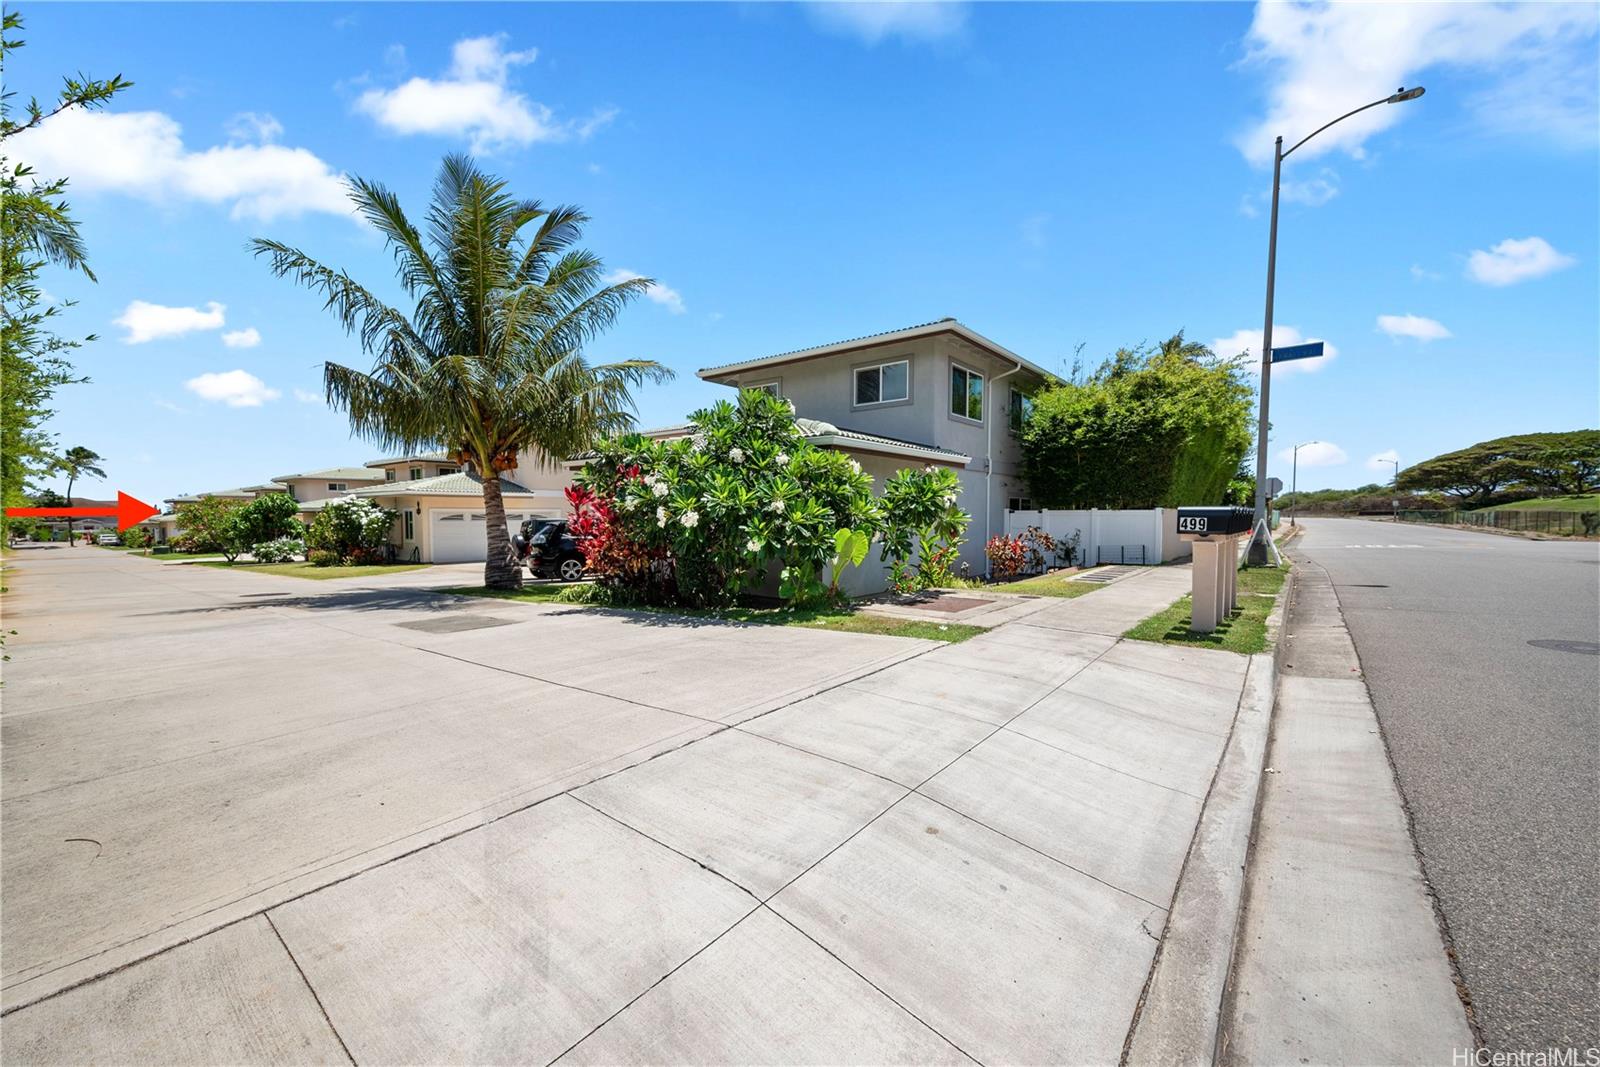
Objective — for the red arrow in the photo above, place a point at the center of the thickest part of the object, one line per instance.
(129, 512)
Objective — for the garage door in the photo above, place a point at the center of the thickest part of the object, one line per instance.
(458, 536)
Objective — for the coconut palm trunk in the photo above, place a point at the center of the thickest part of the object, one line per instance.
(489, 365)
(500, 570)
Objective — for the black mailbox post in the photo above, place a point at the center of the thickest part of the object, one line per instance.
(1215, 533)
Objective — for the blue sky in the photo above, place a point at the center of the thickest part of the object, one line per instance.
(792, 174)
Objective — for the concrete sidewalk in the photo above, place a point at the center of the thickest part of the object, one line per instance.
(964, 854)
(1339, 958)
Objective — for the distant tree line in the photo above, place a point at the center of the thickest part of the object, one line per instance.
(1150, 427)
(1513, 468)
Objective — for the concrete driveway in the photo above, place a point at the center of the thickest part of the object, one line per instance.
(424, 829)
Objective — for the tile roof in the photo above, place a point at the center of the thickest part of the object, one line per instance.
(819, 432)
(370, 474)
(420, 457)
(923, 329)
(461, 483)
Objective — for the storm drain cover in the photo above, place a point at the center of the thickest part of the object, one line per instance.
(1103, 574)
(954, 604)
(1583, 648)
(454, 624)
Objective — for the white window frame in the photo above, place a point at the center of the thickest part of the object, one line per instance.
(855, 373)
(390, 474)
(772, 385)
(411, 527)
(339, 487)
(448, 470)
(414, 474)
(983, 399)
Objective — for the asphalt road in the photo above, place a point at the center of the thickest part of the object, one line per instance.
(1496, 743)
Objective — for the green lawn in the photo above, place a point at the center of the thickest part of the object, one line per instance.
(853, 622)
(1591, 502)
(306, 570)
(1245, 631)
(1044, 585)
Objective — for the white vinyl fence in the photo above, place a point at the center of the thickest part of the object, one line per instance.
(1146, 536)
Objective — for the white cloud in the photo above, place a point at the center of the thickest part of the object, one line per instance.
(1316, 454)
(235, 388)
(1383, 461)
(1414, 326)
(670, 299)
(1513, 261)
(145, 321)
(254, 127)
(1422, 274)
(1249, 342)
(473, 100)
(306, 396)
(1313, 192)
(248, 337)
(871, 22)
(1324, 59)
(142, 154)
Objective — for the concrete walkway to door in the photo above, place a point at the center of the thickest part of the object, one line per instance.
(935, 854)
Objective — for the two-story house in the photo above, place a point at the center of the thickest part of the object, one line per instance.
(329, 482)
(937, 393)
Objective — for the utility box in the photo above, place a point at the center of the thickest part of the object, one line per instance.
(1215, 533)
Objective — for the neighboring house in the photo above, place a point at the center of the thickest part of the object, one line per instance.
(247, 492)
(441, 519)
(163, 528)
(938, 393)
(334, 481)
(414, 468)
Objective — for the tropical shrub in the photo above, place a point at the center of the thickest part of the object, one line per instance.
(1038, 547)
(704, 518)
(266, 518)
(278, 550)
(922, 528)
(137, 537)
(1006, 555)
(208, 526)
(322, 557)
(353, 531)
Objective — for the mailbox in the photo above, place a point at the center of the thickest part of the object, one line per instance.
(1215, 534)
(1214, 522)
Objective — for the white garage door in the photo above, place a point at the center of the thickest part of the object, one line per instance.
(458, 536)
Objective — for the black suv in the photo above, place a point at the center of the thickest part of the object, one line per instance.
(548, 547)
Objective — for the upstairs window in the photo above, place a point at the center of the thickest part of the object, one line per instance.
(388, 475)
(966, 393)
(1021, 411)
(765, 387)
(448, 470)
(883, 383)
(415, 473)
(338, 487)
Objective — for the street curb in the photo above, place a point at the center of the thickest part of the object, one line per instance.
(1179, 1017)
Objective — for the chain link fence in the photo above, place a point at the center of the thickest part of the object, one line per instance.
(1563, 523)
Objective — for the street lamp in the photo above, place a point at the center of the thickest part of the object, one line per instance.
(1396, 480)
(1294, 481)
(1259, 537)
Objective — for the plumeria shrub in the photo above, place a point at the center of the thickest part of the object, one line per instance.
(278, 550)
(349, 531)
(922, 528)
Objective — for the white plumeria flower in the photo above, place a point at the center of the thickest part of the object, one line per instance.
(697, 442)
(690, 519)
(659, 489)
(736, 454)
(661, 516)
(855, 466)
(949, 498)
(649, 479)
(752, 545)
(777, 505)
(781, 459)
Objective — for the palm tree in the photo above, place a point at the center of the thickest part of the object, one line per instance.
(78, 462)
(490, 361)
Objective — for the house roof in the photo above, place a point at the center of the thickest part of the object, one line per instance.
(420, 457)
(826, 435)
(461, 483)
(904, 333)
(240, 493)
(350, 474)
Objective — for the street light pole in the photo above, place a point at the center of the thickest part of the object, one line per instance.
(1294, 482)
(1396, 480)
(1260, 536)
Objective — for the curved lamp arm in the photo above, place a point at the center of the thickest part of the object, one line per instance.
(1394, 98)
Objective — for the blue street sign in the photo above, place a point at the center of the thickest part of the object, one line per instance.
(1309, 350)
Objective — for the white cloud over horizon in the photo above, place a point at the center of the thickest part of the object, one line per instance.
(248, 337)
(306, 396)
(1316, 454)
(667, 297)
(1322, 60)
(872, 21)
(473, 99)
(145, 321)
(235, 388)
(142, 154)
(1514, 260)
(1416, 327)
(1248, 341)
